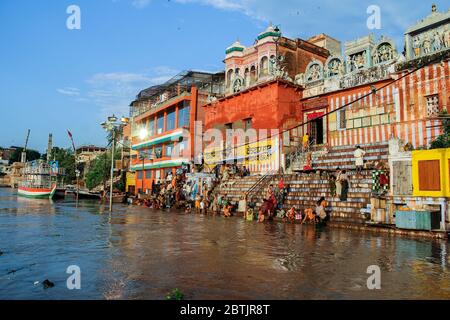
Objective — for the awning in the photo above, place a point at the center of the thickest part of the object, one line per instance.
(174, 136)
(160, 164)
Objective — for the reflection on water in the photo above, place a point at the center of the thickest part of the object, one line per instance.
(136, 253)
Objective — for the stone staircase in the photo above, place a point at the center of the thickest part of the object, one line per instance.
(342, 157)
(236, 188)
(305, 189)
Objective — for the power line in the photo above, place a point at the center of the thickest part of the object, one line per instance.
(374, 90)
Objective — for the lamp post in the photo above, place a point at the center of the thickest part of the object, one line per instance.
(77, 173)
(113, 125)
(277, 40)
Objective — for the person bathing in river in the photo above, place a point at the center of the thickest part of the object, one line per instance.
(269, 205)
(321, 214)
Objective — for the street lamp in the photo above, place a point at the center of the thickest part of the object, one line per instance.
(113, 125)
(277, 40)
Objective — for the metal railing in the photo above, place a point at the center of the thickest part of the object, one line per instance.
(260, 184)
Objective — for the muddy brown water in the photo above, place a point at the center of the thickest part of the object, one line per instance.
(137, 253)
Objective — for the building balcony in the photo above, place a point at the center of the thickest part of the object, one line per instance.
(169, 136)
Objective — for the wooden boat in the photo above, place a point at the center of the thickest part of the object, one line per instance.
(39, 180)
(37, 193)
(117, 198)
(83, 194)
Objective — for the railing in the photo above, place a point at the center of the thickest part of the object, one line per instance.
(260, 184)
(299, 155)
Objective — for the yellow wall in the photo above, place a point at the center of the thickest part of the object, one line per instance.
(443, 155)
(131, 179)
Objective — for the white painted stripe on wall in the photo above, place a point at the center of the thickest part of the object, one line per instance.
(428, 127)
(413, 134)
(420, 129)
(397, 105)
(427, 83)
(407, 137)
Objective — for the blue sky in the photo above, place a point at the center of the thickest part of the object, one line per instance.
(53, 79)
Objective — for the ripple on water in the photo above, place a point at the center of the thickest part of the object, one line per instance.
(137, 253)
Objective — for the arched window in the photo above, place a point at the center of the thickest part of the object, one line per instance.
(229, 77)
(264, 66)
(253, 75)
(272, 62)
(247, 77)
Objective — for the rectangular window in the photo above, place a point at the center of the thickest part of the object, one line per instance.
(160, 124)
(433, 108)
(342, 121)
(148, 174)
(181, 147)
(167, 171)
(158, 174)
(151, 127)
(184, 116)
(140, 175)
(158, 152)
(429, 175)
(170, 120)
(168, 150)
(248, 124)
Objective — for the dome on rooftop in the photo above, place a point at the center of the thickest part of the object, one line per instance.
(271, 31)
(236, 46)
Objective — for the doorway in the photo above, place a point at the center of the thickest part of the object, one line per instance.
(317, 131)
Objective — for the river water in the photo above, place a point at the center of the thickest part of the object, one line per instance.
(137, 253)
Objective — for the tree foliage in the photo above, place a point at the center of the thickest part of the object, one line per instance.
(443, 141)
(66, 160)
(17, 155)
(100, 169)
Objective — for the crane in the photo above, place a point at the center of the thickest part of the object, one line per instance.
(24, 152)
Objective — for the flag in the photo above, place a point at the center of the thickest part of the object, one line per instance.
(71, 138)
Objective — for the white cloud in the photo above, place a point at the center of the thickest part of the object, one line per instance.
(113, 91)
(69, 91)
(344, 20)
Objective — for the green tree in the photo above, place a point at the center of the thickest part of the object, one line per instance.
(443, 141)
(66, 160)
(99, 170)
(17, 155)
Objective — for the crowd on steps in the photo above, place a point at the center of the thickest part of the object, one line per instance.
(202, 196)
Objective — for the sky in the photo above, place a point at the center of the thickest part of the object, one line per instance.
(53, 79)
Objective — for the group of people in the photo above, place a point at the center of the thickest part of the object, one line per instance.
(177, 191)
(225, 172)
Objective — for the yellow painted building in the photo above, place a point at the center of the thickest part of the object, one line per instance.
(131, 181)
(259, 156)
(431, 172)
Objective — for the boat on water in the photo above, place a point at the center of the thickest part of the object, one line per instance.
(71, 191)
(117, 198)
(40, 179)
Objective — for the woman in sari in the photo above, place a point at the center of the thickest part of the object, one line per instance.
(345, 186)
(338, 183)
